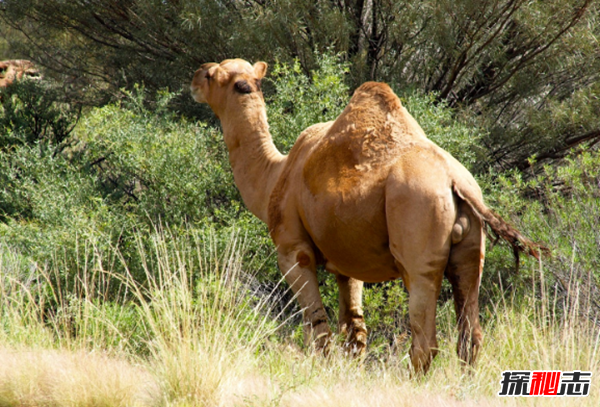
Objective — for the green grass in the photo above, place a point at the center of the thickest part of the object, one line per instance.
(201, 331)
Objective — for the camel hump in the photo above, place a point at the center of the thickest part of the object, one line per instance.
(379, 93)
(375, 106)
(375, 120)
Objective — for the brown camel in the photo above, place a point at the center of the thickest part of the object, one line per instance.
(369, 196)
(15, 69)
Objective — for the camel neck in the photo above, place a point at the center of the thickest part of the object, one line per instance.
(255, 160)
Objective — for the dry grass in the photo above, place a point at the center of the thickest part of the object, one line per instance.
(38, 377)
(208, 342)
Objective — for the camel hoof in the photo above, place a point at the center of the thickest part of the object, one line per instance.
(356, 348)
(318, 338)
(356, 341)
(322, 344)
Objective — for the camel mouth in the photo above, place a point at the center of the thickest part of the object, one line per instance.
(197, 94)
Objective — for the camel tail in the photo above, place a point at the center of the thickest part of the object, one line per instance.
(499, 226)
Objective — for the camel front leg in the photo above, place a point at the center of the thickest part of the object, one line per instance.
(298, 266)
(351, 321)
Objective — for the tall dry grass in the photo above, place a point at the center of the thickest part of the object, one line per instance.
(200, 331)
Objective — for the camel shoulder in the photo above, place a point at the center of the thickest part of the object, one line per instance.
(305, 143)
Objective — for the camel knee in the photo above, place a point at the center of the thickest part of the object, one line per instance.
(300, 254)
(305, 258)
(297, 263)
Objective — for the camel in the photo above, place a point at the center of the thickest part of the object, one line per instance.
(15, 69)
(368, 196)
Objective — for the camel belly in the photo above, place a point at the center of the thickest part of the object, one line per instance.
(359, 256)
(352, 235)
(376, 275)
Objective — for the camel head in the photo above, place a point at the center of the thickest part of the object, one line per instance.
(227, 85)
(16, 69)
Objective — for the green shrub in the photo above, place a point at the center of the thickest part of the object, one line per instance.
(299, 101)
(559, 207)
(157, 165)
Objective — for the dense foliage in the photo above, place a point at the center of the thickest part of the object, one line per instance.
(512, 66)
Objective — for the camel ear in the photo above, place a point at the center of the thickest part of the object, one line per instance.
(205, 72)
(214, 71)
(207, 66)
(260, 69)
(219, 74)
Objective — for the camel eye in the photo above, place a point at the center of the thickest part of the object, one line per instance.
(242, 87)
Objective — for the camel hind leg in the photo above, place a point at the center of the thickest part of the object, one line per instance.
(464, 269)
(419, 228)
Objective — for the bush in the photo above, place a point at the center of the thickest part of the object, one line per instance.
(560, 207)
(157, 165)
(299, 101)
